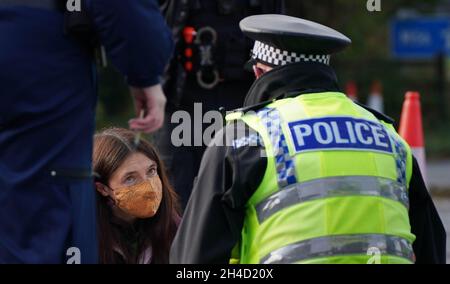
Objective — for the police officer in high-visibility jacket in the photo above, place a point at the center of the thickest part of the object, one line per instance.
(305, 174)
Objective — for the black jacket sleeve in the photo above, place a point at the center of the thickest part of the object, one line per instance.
(214, 216)
(430, 244)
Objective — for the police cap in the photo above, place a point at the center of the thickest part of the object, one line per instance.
(280, 40)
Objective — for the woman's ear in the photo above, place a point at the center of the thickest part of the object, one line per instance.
(102, 189)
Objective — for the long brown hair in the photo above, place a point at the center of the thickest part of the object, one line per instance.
(111, 148)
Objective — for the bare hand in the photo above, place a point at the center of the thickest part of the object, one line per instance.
(153, 101)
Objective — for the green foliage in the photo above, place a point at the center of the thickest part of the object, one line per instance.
(437, 141)
(115, 105)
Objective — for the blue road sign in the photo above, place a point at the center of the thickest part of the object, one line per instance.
(420, 38)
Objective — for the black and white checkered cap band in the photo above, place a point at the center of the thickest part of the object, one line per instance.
(278, 57)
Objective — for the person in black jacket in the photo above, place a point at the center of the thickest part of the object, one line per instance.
(205, 74)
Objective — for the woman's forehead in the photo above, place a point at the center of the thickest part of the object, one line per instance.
(135, 162)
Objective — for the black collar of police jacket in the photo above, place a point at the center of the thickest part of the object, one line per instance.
(290, 81)
(293, 80)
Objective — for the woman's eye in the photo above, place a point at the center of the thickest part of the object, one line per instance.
(152, 172)
(130, 180)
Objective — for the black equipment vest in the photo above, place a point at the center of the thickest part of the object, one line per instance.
(218, 21)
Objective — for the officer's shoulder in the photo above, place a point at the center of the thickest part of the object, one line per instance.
(252, 108)
(377, 114)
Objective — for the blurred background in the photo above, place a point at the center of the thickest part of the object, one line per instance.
(369, 59)
(404, 47)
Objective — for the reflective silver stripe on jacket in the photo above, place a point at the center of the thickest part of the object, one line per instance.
(332, 187)
(344, 245)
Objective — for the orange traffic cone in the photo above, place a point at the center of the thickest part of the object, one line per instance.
(352, 91)
(411, 129)
(375, 100)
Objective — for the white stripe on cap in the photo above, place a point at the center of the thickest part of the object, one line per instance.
(278, 57)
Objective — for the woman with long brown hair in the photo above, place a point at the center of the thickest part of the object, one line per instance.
(137, 208)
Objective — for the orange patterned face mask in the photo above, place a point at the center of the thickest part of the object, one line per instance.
(141, 200)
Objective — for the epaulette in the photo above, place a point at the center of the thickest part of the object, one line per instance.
(256, 107)
(377, 114)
